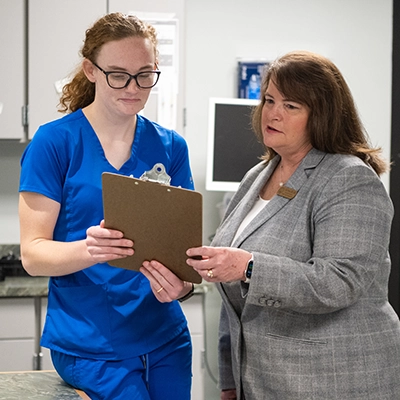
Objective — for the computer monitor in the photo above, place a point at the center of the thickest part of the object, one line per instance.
(232, 145)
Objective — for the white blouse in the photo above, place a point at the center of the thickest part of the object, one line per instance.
(257, 207)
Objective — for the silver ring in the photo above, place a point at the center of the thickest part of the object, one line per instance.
(210, 273)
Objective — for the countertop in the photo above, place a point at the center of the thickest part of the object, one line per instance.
(24, 286)
(36, 385)
(37, 286)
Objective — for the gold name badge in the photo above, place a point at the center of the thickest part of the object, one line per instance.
(287, 192)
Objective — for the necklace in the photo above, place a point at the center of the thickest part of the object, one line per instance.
(281, 183)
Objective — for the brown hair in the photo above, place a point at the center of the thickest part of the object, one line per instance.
(334, 124)
(79, 92)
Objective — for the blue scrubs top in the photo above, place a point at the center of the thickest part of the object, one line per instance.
(101, 312)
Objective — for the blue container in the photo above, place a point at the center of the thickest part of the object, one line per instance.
(250, 75)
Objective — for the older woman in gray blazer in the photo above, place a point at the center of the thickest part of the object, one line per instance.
(301, 256)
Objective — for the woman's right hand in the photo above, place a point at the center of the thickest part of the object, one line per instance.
(105, 244)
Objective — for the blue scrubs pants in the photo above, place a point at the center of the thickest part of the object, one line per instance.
(164, 374)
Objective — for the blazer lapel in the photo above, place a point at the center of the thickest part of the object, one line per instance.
(277, 203)
(247, 193)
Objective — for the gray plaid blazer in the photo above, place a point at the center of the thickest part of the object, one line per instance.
(314, 322)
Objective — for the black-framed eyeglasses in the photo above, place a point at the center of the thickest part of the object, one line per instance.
(121, 80)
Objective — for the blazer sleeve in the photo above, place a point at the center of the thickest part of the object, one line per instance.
(335, 251)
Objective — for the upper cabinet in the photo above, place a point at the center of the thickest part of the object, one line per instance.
(12, 94)
(56, 33)
(40, 49)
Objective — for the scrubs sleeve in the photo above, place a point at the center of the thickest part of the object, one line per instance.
(44, 163)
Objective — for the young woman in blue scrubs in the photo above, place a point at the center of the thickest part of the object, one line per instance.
(113, 333)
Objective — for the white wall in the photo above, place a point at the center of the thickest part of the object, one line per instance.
(355, 34)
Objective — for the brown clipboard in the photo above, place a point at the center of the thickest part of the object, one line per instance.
(163, 221)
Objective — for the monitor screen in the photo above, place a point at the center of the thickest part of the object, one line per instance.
(232, 145)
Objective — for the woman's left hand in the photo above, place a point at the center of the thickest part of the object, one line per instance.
(219, 264)
(165, 285)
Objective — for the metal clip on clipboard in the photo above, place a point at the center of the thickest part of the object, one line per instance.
(157, 174)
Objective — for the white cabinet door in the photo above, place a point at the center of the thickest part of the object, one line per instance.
(193, 309)
(17, 335)
(16, 355)
(12, 97)
(17, 318)
(56, 32)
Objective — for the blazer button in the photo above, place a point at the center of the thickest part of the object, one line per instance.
(262, 301)
(277, 304)
(270, 302)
